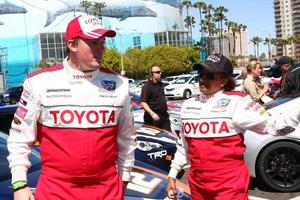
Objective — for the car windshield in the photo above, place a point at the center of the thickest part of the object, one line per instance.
(182, 80)
(279, 101)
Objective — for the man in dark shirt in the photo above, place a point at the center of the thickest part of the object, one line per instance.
(290, 81)
(153, 101)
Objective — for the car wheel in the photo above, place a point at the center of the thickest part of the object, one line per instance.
(187, 94)
(278, 167)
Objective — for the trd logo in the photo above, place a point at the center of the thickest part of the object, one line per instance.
(157, 154)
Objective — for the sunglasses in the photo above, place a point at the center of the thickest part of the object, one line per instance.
(210, 76)
(156, 72)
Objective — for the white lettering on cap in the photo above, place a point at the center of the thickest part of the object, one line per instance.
(213, 58)
(89, 25)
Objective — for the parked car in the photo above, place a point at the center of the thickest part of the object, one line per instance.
(6, 116)
(171, 79)
(136, 87)
(274, 160)
(184, 87)
(147, 182)
(12, 95)
(156, 147)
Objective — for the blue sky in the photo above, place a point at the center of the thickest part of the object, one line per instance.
(258, 15)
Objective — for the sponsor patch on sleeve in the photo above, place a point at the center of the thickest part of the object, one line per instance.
(21, 112)
(23, 102)
(16, 120)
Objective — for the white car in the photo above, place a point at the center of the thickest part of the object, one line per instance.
(171, 79)
(184, 87)
(275, 160)
(136, 87)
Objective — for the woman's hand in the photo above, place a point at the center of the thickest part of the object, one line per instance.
(171, 188)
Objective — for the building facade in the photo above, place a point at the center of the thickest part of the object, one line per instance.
(287, 24)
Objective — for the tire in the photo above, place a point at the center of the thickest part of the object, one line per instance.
(187, 94)
(278, 167)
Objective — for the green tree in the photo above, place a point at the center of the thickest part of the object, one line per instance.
(219, 17)
(86, 5)
(200, 5)
(112, 59)
(98, 6)
(256, 40)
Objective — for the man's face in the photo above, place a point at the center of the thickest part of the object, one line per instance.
(284, 67)
(89, 53)
(155, 73)
(211, 83)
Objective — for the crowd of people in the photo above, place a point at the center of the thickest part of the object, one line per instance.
(259, 91)
(87, 144)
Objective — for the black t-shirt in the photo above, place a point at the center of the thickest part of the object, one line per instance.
(153, 94)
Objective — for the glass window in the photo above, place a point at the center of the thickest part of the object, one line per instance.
(50, 38)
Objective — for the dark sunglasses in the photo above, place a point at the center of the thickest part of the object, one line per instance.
(156, 72)
(210, 76)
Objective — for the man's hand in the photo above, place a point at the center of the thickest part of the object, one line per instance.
(171, 188)
(23, 194)
(125, 183)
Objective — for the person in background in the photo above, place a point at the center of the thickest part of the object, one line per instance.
(290, 80)
(153, 101)
(81, 117)
(211, 136)
(252, 84)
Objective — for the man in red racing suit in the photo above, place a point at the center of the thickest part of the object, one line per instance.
(84, 125)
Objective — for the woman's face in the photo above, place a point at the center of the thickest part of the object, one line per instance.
(256, 70)
(210, 83)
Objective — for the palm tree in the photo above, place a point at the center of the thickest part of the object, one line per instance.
(190, 22)
(86, 5)
(208, 11)
(228, 24)
(234, 29)
(267, 41)
(187, 20)
(241, 27)
(220, 17)
(98, 9)
(256, 40)
(200, 5)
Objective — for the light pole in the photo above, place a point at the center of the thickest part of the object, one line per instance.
(122, 62)
(121, 49)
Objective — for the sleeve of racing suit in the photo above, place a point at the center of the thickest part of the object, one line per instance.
(126, 141)
(23, 133)
(285, 123)
(180, 160)
(250, 115)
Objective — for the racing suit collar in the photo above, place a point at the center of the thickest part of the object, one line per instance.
(75, 75)
(205, 97)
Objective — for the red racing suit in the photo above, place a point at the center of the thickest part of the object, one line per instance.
(212, 141)
(85, 129)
